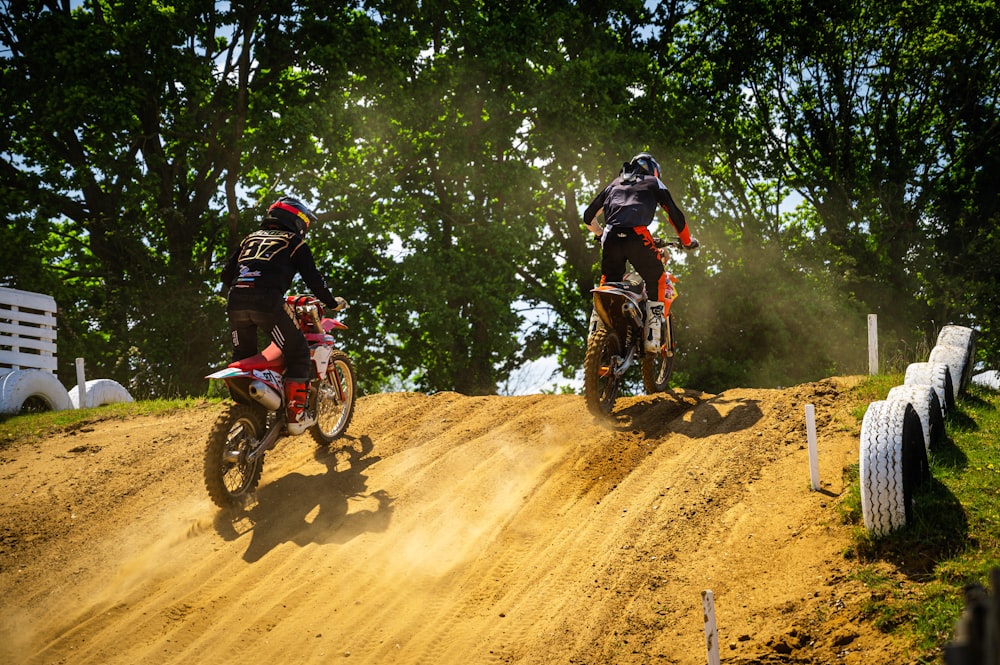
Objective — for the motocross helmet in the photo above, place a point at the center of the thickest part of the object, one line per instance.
(291, 214)
(645, 163)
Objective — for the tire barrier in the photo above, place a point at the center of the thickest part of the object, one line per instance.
(893, 465)
(924, 400)
(98, 393)
(977, 632)
(989, 379)
(937, 376)
(964, 338)
(26, 390)
(955, 357)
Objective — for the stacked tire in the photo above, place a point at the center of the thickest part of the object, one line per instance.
(893, 465)
(899, 433)
(99, 392)
(956, 347)
(34, 390)
(31, 390)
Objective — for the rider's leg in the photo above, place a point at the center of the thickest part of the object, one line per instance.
(289, 338)
(648, 263)
(614, 253)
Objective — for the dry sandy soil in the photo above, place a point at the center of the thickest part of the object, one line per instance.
(447, 529)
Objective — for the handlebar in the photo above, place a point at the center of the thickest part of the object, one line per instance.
(676, 243)
(306, 300)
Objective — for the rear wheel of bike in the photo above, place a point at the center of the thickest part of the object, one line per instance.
(334, 399)
(657, 368)
(600, 386)
(229, 477)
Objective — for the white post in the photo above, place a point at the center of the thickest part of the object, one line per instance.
(813, 454)
(81, 384)
(711, 634)
(873, 344)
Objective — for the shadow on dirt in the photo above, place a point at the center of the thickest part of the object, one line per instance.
(690, 414)
(320, 508)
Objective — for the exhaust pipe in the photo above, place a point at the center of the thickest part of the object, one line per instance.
(266, 395)
(632, 311)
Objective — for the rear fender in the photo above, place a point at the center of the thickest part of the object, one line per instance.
(618, 309)
(238, 381)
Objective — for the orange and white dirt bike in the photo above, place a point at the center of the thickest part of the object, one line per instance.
(615, 339)
(253, 425)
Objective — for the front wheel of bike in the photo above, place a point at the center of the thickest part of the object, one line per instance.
(230, 477)
(334, 399)
(657, 367)
(600, 385)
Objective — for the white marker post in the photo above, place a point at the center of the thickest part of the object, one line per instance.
(873, 344)
(711, 634)
(813, 454)
(81, 385)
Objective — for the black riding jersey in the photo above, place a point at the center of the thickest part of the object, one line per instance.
(631, 202)
(268, 259)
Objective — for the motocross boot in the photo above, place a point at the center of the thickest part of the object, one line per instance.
(651, 340)
(296, 399)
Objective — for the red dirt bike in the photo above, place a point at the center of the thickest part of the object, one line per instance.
(253, 425)
(615, 343)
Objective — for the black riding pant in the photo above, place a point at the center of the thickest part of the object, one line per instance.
(251, 310)
(635, 245)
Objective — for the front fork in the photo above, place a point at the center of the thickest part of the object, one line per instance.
(668, 337)
(321, 365)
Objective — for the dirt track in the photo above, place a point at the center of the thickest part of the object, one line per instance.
(449, 529)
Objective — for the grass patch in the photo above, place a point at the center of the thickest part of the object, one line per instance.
(953, 539)
(33, 426)
(872, 389)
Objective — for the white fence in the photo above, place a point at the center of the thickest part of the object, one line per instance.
(27, 331)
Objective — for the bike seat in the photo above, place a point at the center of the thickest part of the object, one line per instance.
(269, 358)
(632, 284)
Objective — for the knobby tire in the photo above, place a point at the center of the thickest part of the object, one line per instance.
(600, 387)
(230, 483)
(657, 368)
(335, 396)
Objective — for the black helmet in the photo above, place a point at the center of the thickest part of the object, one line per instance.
(645, 163)
(290, 213)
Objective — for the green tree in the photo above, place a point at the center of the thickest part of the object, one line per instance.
(845, 106)
(166, 126)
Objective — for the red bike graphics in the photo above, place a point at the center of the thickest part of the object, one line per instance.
(255, 422)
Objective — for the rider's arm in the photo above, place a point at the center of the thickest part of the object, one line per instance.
(230, 270)
(674, 214)
(594, 227)
(306, 266)
(590, 214)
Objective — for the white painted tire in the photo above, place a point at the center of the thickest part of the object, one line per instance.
(990, 379)
(99, 393)
(938, 377)
(964, 338)
(924, 400)
(954, 358)
(32, 390)
(893, 465)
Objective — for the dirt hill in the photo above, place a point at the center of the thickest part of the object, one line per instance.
(448, 529)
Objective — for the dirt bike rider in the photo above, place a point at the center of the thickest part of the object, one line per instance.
(258, 274)
(629, 205)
